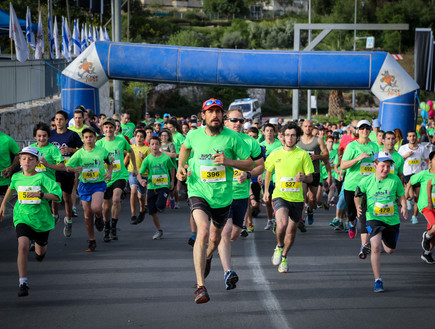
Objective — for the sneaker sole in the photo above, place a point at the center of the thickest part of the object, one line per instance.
(426, 261)
(379, 290)
(422, 242)
(66, 233)
(274, 263)
(230, 282)
(203, 298)
(280, 270)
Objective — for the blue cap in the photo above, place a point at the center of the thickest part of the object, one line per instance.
(376, 123)
(166, 115)
(383, 156)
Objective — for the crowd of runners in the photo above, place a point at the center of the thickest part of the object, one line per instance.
(229, 169)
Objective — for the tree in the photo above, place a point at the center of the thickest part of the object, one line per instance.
(233, 40)
(188, 39)
(225, 8)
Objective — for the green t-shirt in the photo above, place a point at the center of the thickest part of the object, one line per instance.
(128, 129)
(53, 156)
(34, 212)
(158, 171)
(116, 150)
(209, 181)
(287, 164)
(372, 136)
(178, 140)
(7, 146)
(360, 169)
(92, 163)
(381, 198)
(78, 131)
(241, 191)
(270, 147)
(323, 171)
(397, 166)
(423, 177)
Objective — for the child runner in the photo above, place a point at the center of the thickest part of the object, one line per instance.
(33, 219)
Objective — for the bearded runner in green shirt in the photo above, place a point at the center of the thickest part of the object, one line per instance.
(382, 190)
(241, 185)
(32, 216)
(89, 162)
(293, 166)
(117, 147)
(216, 150)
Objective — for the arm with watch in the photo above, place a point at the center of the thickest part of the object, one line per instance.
(48, 196)
(257, 171)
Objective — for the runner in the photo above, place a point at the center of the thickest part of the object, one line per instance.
(381, 190)
(117, 147)
(316, 148)
(270, 143)
(138, 192)
(216, 149)
(389, 140)
(426, 199)
(178, 139)
(68, 142)
(241, 183)
(32, 216)
(126, 125)
(358, 160)
(292, 166)
(8, 149)
(89, 163)
(161, 172)
(167, 146)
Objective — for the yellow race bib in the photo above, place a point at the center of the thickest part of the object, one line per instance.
(289, 184)
(367, 168)
(414, 162)
(90, 174)
(212, 174)
(383, 210)
(23, 192)
(160, 180)
(237, 173)
(40, 168)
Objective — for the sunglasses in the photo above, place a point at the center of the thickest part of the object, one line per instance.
(234, 120)
(365, 127)
(213, 101)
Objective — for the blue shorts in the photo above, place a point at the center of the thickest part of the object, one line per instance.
(87, 189)
(134, 182)
(271, 188)
(238, 211)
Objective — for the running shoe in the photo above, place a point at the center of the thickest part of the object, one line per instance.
(425, 243)
(251, 228)
(364, 251)
(408, 204)
(56, 219)
(335, 222)
(301, 226)
(352, 229)
(244, 232)
(168, 204)
(379, 286)
(172, 203)
(32, 245)
(268, 225)
(201, 295)
(67, 230)
(158, 235)
(326, 206)
(141, 216)
(106, 235)
(74, 210)
(92, 245)
(414, 220)
(23, 290)
(283, 266)
(133, 220)
(346, 227)
(310, 217)
(277, 256)
(177, 205)
(191, 240)
(99, 224)
(231, 278)
(428, 258)
(207, 266)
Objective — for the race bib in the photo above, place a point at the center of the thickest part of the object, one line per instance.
(23, 192)
(116, 166)
(310, 152)
(367, 168)
(392, 169)
(160, 180)
(66, 159)
(289, 184)
(433, 197)
(40, 168)
(90, 174)
(383, 210)
(414, 162)
(237, 173)
(212, 174)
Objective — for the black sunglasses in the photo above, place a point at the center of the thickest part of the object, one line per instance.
(234, 120)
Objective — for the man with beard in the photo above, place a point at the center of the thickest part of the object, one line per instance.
(215, 153)
(293, 166)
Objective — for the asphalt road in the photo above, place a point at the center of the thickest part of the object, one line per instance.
(140, 282)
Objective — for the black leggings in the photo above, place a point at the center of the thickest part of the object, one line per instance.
(351, 209)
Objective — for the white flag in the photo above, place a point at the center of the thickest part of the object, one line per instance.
(15, 33)
(76, 40)
(96, 36)
(56, 38)
(90, 37)
(68, 33)
(83, 43)
(50, 37)
(39, 53)
(65, 43)
(106, 35)
(86, 35)
(102, 37)
(29, 31)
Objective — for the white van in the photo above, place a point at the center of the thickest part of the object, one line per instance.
(251, 107)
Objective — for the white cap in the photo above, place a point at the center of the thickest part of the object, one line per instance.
(247, 125)
(383, 156)
(30, 150)
(273, 121)
(363, 122)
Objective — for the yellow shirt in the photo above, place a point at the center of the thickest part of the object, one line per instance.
(136, 149)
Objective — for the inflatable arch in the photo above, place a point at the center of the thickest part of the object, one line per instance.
(377, 71)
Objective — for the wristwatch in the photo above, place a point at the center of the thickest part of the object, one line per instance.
(248, 175)
(41, 194)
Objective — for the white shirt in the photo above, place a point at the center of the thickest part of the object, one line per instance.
(416, 162)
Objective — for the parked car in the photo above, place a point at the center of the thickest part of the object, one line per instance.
(251, 107)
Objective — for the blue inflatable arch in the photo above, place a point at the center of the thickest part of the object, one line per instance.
(375, 71)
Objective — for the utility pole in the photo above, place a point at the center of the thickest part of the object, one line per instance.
(309, 41)
(116, 37)
(354, 49)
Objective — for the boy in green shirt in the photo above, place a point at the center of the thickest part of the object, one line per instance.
(161, 173)
(382, 190)
(32, 216)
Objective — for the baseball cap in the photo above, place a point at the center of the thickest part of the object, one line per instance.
(376, 123)
(273, 121)
(109, 121)
(212, 102)
(362, 123)
(256, 121)
(90, 130)
(247, 125)
(30, 150)
(193, 125)
(166, 115)
(383, 156)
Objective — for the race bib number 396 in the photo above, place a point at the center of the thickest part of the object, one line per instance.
(213, 174)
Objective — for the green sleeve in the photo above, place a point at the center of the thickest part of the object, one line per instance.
(50, 186)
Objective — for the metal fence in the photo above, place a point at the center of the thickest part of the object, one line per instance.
(28, 81)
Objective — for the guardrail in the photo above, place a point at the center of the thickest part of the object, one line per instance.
(28, 81)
